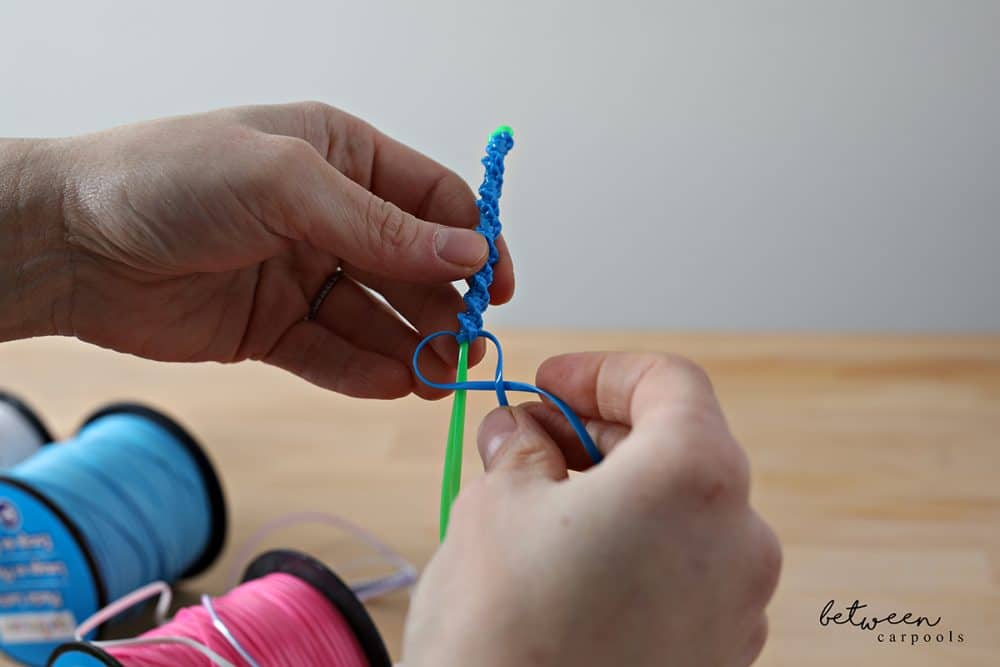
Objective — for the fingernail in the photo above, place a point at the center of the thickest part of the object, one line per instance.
(460, 246)
(495, 430)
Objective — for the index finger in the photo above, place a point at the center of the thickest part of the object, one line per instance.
(680, 443)
(624, 387)
(388, 168)
(432, 192)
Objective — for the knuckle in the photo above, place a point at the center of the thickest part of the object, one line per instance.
(351, 148)
(293, 151)
(756, 641)
(316, 121)
(769, 559)
(713, 473)
(687, 373)
(450, 199)
(702, 483)
(668, 381)
(261, 189)
(344, 140)
(282, 158)
(469, 503)
(389, 226)
(694, 421)
(314, 108)
(527, 453)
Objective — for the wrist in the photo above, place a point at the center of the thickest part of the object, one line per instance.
(36, 272)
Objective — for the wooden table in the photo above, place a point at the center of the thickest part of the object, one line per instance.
(876, 459)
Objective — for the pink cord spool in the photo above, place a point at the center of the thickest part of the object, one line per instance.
(290, 611)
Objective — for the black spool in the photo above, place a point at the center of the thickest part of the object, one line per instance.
(81, 654)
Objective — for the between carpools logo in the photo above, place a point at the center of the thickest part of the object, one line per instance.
(915, 629)
(10, 517)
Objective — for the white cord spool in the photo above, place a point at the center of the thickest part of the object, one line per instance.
(22, 432)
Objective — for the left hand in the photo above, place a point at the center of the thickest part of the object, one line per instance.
(206, 237)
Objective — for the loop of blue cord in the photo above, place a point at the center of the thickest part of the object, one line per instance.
(478, 297)
(502, 386)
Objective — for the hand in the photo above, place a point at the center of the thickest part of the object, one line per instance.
(654, 557)
(206, 237)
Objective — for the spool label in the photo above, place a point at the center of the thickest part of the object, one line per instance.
(32, 627)
(46, 585)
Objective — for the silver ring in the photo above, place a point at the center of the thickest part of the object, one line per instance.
(323, 292)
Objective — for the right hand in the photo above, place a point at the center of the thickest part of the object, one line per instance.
(653, 557)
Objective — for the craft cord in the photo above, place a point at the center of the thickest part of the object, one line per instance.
(477, 298)
(113, 480)
(404, 576)
(501, 386)
(470, 327)
(279, 618)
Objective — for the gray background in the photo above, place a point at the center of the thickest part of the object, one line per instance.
(683, 165)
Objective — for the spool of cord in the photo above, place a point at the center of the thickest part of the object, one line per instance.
(130, 499)
(290, 611)
(22, 431)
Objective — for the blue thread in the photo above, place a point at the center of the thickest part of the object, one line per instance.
(135, 492)
(477, 298)
(501, 386)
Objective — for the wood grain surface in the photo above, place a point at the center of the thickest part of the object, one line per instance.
(876, 459)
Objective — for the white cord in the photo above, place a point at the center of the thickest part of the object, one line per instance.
(160, 588)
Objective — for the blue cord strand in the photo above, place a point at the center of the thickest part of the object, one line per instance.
(478, 298)
(502, 386)
(135, 493)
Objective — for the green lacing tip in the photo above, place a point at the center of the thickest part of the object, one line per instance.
(452, 479)
(503, 129)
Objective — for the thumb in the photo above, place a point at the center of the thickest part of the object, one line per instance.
(377, 236)
(511, 440)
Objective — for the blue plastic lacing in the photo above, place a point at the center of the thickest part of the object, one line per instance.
(502, 386)
(478, 297)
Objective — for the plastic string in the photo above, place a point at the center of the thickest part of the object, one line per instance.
(135, 493)
(470, 327)
(501, 386)
(275, 621)
(22, 434)
(404, 575)
(159, 588)
(164, 597)
(477, 298)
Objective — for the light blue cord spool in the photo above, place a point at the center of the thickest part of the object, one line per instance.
(139, 498)
(133, 491)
